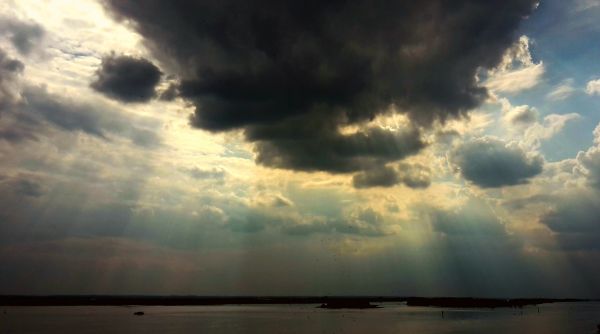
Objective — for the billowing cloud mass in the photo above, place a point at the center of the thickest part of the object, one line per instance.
(127, 79)
(291, 74)
(490, 162)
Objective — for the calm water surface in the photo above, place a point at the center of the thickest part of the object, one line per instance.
(268, 319)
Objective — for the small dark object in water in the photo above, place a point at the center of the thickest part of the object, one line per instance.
(139, 313)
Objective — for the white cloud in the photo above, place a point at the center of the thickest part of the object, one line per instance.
(517, 71)
(562, 91)
(518, 80)
(524, 124)
(522, 115)
(593, 87)
(551, 125)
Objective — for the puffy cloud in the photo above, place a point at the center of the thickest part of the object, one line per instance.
(491, 163)
(551, 125)
(291, 75)
(589, 161)
(593, 87)
(522, 115)
(524, 119)
(127, 79)
(23, 35)
(569, 203)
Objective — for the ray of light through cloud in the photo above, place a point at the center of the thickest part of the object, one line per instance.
(383, 148)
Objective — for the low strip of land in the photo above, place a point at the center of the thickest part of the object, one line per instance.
(334, 302)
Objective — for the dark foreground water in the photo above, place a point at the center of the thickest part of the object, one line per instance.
(567, 318)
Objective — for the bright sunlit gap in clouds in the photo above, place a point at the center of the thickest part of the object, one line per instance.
(431, 154)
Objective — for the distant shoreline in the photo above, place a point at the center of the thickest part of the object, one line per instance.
(105, 300)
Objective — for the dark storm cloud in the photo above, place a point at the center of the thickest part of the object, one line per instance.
(127, 79)
(313, 146)
(413, 176)
(23, 35)
(270, 67)
(490, 163)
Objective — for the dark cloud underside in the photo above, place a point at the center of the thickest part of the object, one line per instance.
(127, 79)
(490, 163)
(271, 67)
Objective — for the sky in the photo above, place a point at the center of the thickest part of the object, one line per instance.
(263, 147)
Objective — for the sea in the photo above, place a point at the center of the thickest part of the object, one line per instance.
(396, 318)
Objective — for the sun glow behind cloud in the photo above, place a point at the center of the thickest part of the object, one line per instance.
(123, 197)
